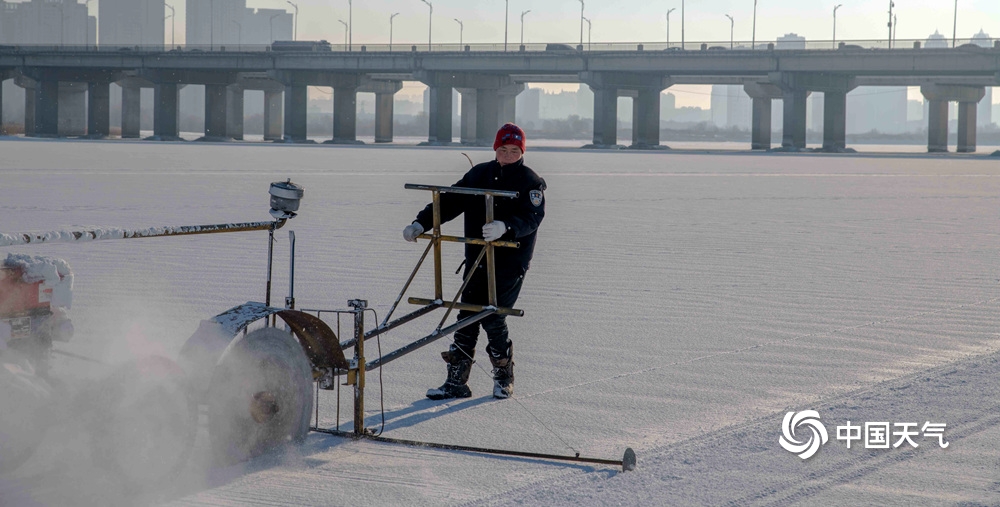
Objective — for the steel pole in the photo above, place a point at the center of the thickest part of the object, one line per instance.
(835, 25)
(954, 26)
(506, 21)
(753, 37)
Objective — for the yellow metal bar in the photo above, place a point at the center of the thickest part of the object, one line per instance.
(466, 306)
(465, 283)
(462, 190)
(491, 275)
(438, 291)
(472, 241)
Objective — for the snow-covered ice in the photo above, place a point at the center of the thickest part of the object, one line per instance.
(679, 304)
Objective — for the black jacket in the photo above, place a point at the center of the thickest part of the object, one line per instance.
(521, 215)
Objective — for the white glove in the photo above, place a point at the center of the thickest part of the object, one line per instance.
(411, 232)
(493, 230)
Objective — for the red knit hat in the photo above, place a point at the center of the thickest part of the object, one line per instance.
(509, 134)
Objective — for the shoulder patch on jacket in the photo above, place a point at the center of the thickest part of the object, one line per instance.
(536, 197)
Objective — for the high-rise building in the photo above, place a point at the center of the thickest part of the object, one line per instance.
(131, 22)
(230, 23)
(731, 107)
(984, 115)
(63, 22)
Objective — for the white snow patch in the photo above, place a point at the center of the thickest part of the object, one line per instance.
(55, 275)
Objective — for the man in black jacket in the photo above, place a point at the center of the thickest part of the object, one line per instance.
(514, 220)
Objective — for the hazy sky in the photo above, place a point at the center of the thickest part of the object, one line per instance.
(634, 20)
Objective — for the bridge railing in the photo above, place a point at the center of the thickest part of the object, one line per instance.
(591, 47)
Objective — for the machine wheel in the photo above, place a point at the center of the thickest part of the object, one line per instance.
(144, 423)
(25, 399)
(260, 397)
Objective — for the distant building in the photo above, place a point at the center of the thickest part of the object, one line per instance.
(730, 106)
(936, 40)
(63, 22)
(791, 41)
(230, 23)
(881, 108)
(984, 115)
(668, 106)
(528, 106)
(131, 22)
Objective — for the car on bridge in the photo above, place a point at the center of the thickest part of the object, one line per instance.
(301, 45)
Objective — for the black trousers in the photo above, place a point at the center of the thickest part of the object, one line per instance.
(508, 288)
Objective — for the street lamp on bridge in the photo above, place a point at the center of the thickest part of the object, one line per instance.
(954, 26)
(393, 16)
(506, 18)
(753, 36)
(461, 28)
(581, 23)
(891, 5)
(588, 33)
(732, 24)
(173, 17)
(347, 28)
(295, 29)
(668, 25)
(239, 36)
(522, 25)
(430, 18)
(271, 24)
(350, 25)
(835, 24)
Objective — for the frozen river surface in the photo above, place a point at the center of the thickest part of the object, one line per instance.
(679, 304)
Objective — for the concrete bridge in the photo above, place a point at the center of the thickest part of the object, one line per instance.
(489, 82)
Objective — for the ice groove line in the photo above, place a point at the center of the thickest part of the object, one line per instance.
(761, 345)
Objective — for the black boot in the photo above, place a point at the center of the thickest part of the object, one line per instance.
(503, 378)
(459, 368)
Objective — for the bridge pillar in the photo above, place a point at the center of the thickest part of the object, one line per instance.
(273, 102)
(296, 105)
(605, 116)
(29, 110)
(646, 119)
(967, 127)
(345, 114)
(834, 121)
(938, 97)
(467, 116)
(98, 110)
(794, 120)
(761, 95)
(216, 112)
(508, 103)
(47, 108)
(439, 131)
(487, 116)
(72, 109)
(166, 114)
(384, 105)
(937, 126)
(385, 92)
(645, 90)
(131, 93)
(234, 111)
